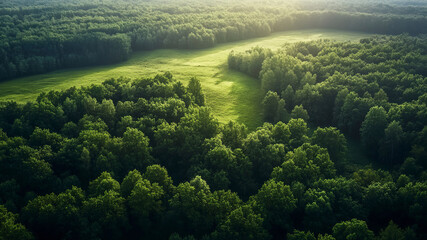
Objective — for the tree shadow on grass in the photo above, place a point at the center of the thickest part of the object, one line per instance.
(247, 94)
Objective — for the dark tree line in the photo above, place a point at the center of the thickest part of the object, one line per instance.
(146, 159)
(37, 37)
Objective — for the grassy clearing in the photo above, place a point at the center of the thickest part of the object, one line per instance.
(230, 94)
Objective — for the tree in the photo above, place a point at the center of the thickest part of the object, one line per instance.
(281, 133)
(299, 112)
(372, 130)
(55, 216)
(10, 228)
(43, 137)
(281, 114)
(338, 104)
(276, 203)
(106, 111)
(279, 71)
(410, 167)
(325, 237)
(135, 150)
(365, 177)
(242, 223)
(298, 129)
(381, 97)
(129, 182)
(256, 148)
(333, 140)
(102, 184)
(318, 212)
(352, 113)
(37, 173)
(392, 232)
(305, 164)
(410, 201)
(288, 95)
(342, 194)
(192, 205)
(146, 198)
(270, 106)
(195, 88)
(353, 229)
(300, 235)
(233, 134)
(107, 216)
(391, 145)
(220, 158)
(158, 174)
(225, 202)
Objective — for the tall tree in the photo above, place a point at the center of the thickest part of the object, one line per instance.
(353, 229)
(372, 130)
(195, 88)
(391, 145)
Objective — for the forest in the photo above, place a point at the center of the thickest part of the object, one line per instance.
(38, 37)
(146, 159)
(341, 155)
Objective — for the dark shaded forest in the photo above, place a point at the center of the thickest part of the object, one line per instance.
(41, 36)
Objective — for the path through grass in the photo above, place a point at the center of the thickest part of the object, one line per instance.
(230, 94)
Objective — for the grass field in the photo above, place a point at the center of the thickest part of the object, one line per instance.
(230, 94)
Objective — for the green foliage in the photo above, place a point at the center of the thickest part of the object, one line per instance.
(365, 177)
(242, 223)
(102, 184)
(353, 229)
(233, 134)
(135, 150)
(107, 215)
(357, 87)
(391, 145)
(159, 175)
(54, 216)
(298, 129)
(129, 182)
(193, 203)
(231, 183)
(276, 203)
(146, 197)
(333, 140)
(343, 195)
(300, 112)
(372, 130)
(94, 35)
(296, 235)
(392, 232)
(230, 95)
(195, 88)
(250, 61)
(10, 229)
(274, 108)
(305, 164)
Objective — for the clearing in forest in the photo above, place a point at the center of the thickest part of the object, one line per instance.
(230, 94)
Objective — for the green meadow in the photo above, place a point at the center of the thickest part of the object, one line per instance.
(230, 94)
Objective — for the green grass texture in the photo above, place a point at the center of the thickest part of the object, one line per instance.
(231, 95)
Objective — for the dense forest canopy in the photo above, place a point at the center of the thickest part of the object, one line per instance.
(146, 159)
(41, 36)
(374, 89)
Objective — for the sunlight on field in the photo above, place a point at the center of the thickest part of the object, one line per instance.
(230, 94)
